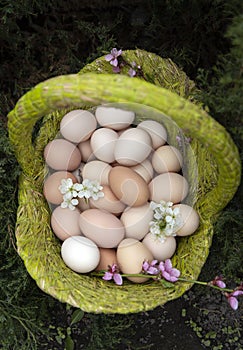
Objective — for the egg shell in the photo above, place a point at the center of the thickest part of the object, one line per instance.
(128, 186)
(109, 202)
(190, 220)
(160, 250)
(132, 147)
(156, 131)
(107, 258)
(51, 184)
(104, 228)
(131, 254)
(61, 154)
(78, 125)
(86, 151)
(65, 222)
(136, 221)
(145, 170)
(103, 142)
(78, 172)
(97, 170)
(80, 254)
(167, 159)
(83, 204)
(114, 118)
(170, 187)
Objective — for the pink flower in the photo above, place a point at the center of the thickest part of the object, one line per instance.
(218, 281)
(112, 273)
(168, 272)
(150, 267)
(231, 297)
(112, 57)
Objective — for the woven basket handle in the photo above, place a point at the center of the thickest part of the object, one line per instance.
(70, 91)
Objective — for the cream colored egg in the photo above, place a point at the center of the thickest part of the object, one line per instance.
(114, 118)
(65, 222)
(51, 186)
(136, 221)
(160, 250)
(170, 187)
(109, 202)
(97, 170)
(61, 154)
(189, 220)
(145, 170)
(131, 254)
(80, 254)
(103, 143)
(156, 131)
(104, 228)
(78, 125)
(167, 159)
(107, 258)
(86, 151)
(128, 186)
(132, 147)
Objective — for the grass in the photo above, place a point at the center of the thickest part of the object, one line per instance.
(43, 39)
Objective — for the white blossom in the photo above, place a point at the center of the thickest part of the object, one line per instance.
(166, 220)
(87, 189)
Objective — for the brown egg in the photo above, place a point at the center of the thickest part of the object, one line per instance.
(189, 218)
(103, 228)
(65, 222)
(131, 254)
(107, 257)
(136, 221)
(128, 186)
(160, 250)
(86, 151)
(167, 159)
(170, 187)
(61, 154)
(51, 184)
(109, 202)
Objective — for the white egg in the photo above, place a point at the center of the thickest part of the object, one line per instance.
(80, 254)
(145, 170)
(78, 125)
(97, 170)
(157, 132)
(103, 142)
(114, 118)
(132, 147)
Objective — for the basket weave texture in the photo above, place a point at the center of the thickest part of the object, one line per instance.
(166, 89)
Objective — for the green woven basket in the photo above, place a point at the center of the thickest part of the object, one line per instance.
(165, 89)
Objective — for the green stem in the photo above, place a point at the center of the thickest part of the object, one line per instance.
(181, 279)
(208, 284)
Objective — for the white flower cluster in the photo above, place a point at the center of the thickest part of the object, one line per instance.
(167, 220)
(87, 189)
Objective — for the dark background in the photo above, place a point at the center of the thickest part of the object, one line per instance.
(41, 39)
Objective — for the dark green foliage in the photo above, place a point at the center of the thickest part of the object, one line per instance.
(40, 39)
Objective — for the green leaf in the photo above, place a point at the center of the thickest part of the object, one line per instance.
(77, 316)
(69, 343)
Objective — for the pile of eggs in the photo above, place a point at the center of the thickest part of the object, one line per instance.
(134, 165)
